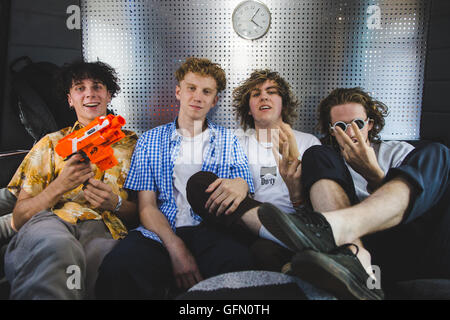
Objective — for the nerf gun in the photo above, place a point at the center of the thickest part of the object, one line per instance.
(94, 141)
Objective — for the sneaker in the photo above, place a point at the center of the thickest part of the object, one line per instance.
(339, 273)
(301, 230)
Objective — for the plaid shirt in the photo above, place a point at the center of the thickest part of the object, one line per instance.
(154, 158)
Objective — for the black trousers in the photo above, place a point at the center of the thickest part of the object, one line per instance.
(140, 268)
(267, 255)
(419, 247)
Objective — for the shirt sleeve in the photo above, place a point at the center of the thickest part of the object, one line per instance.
(401, 150)
(36, 171)
(140, 176)
(241, 167)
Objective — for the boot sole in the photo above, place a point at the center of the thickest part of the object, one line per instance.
(283, 228)
(327, 274)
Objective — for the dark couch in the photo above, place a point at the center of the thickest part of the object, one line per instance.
(412, 289)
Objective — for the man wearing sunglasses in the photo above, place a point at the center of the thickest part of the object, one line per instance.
(387, 195)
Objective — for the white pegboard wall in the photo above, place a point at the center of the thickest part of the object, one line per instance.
(316, 45)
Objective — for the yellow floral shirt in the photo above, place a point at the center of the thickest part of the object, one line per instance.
(42, 165)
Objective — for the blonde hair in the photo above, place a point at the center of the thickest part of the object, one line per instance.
(203, 67)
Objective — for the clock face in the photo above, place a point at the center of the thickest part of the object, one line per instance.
(251, 19)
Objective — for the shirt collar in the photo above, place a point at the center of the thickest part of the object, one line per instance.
(175, 135)
(77, 126)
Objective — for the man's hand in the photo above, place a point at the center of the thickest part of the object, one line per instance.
(74, 173)
(226, 193)
(184, 266)
(285, 135)
(290, 170)
(100, 195)
(360, 156)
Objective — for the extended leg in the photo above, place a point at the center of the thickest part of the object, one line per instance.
(409, 192)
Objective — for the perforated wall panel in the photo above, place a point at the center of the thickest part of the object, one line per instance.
(316, 45)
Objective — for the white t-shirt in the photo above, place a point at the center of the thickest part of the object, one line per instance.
(188, 162)
(269, 185)
(390, 154)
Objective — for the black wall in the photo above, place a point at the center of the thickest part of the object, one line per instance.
(5, 6)
(435, 123)
(37, 28)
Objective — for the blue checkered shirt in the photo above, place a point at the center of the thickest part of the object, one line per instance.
(154, 158)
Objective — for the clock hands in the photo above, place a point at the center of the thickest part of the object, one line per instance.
(256, 23)
(254, 16)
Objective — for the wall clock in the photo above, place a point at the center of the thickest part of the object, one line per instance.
(251, 19)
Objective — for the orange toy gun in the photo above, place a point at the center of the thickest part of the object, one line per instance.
(94, 141)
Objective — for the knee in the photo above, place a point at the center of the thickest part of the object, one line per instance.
(61, 248)
(438, 150)
(323, 162)
(195, 189)
(200, 181)
(319, 154)
(429, 157)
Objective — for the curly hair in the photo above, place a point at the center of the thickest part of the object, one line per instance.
(203, 67)
(76, 71)
(241, 97)
(374, 109)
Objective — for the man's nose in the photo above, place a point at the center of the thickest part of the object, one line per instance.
(90, 92)
(349, 131)
(197, 95)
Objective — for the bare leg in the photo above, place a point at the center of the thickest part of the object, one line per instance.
(251, 220)
(382, 210)
(327, 195)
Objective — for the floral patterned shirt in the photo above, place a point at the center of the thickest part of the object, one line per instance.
(42, 165)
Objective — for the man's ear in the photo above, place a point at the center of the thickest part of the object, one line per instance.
(370, 125)
(216, 98)
(177, 92)
(69, 100)
(109, 97)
